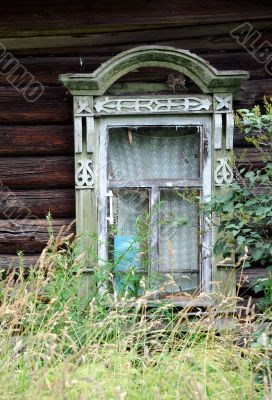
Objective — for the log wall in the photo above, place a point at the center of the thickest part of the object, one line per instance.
(36, 151)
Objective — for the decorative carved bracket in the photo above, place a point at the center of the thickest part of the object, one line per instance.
(84, 176)
(147, 105)
(83, 105)
(223, 173)
(222, 102)
(83, 113)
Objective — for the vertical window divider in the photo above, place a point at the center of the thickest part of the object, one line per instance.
(154, 228)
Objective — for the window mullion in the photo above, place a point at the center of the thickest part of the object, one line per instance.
(154, 228)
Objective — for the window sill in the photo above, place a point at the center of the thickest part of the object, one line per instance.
(183, 301)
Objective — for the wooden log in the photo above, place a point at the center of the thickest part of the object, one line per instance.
(36, 140)
(239, 139)
(54, 105)
(251, 158)
(81, 17)
(29, 236)
(112, 39)
(255, 90)
(8, 261)
(37, 172)
(46, 69)
(37, 203)
(80, 45)
(249, 275)
(237, 60)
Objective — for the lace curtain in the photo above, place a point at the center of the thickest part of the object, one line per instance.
(154, 153)
(179, 240)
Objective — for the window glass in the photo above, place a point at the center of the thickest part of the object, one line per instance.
(179, 229)
(129, 208)
(178, 257)
(175, 283)
(128, 238)
(153, 153)
(156, 226)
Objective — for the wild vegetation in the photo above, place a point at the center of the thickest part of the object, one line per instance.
(57, 346)
(245, 209)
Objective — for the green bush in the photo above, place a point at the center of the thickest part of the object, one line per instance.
(245, 211)
(245, 208)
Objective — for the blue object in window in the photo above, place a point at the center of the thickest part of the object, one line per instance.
(126, 260)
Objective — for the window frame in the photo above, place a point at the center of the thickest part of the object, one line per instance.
(204, 183)
(91, 101)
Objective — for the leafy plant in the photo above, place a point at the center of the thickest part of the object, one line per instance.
(245, 208)
(265, 285)
(256, 126)
(246, 217)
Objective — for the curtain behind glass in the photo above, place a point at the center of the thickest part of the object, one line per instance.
(154, 153)
(179, 239)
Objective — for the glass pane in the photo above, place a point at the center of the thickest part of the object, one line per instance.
(129, 208)
(179, 231)
(153, 153)
(176, 283)
(128, 246)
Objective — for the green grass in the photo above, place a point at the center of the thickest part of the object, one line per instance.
(108, 371)
(55, 346)
(112, 373)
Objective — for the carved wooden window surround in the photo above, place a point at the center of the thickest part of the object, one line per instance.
(95, 114)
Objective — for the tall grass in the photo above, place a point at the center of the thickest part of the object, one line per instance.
(54, 345)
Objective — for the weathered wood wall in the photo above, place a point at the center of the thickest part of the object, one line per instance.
(36, 151)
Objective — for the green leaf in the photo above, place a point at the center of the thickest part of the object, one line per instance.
(257, 255)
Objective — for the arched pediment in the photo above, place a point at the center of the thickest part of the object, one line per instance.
(208, 78)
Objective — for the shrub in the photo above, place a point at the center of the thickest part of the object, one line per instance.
(245, 208)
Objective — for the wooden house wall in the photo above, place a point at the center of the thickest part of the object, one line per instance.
(36, 151)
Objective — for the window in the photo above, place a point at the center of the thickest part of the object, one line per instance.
(149, 222)
(138, 154)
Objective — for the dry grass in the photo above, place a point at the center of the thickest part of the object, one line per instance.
(55, 346)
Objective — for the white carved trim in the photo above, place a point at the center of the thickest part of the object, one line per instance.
(229, 130)
(84, 176)
(222, 102)
(78, 134)
(83, 105)
(147, 105)
(223, 172)
(217, 129)
(83, 108)
(89, 134)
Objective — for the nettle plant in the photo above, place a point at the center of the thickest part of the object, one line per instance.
(245, 208)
